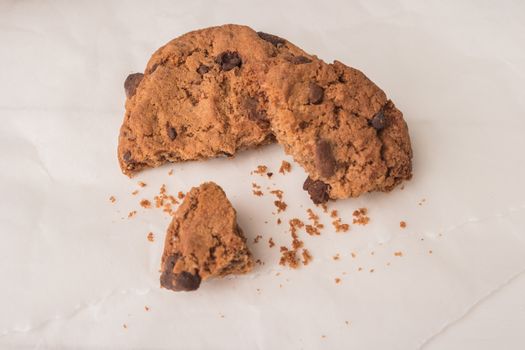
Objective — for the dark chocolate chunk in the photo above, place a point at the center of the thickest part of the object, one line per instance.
(324, 158)
(303, 125)
(315, 94)
(255, 114)
(127, 156)
(229, 60)
(300, 60)
(317, 190)
(272, 39)
(172, 133)
(131, 83)
(203, 69)
(186, 281)
(378, 122)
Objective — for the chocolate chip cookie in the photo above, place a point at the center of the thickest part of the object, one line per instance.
(203, 241)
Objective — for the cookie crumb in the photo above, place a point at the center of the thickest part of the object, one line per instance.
(278, 194)
(257, 238)
(142, 184)
(170, 172)
(270, 174)
(359, 269)
(281, 206)
(132, 213)
(372, 270)
(261, 170)
(430, 252)
(145, 203)
(288, 257)
(353, 255)
(271, 243)
(333, 214)
(125, 326)
(325, 207)
(398, 254)
(339, 226)
(181, 195)
(360, 216)
(259, 262)
(337, 280)
(112, 199)
(323, 336)
(336, 257)
(286, 167)
(423, 200)
(307, 257)
(279, 221)
(146, 308)
(256, 190)
(402, 224)
(347, 323)
(135, 192)
(151, 237)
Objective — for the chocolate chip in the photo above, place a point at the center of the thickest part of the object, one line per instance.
(317, 190)
(324, 158)
(172, 133)
(229, 60)
(255, 114)
(127, 156)
(203, 69)
(186, 281)
(300, 60)
(273, 39)
(303, 125)
(131, 83)
(315, 94)
(378, 122)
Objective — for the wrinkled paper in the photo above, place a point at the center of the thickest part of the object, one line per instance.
(76, 271)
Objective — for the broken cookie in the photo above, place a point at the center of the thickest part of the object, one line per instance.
(203, 241)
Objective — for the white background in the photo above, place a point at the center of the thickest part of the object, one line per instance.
(74, 269)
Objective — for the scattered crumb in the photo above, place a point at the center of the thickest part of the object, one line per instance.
(337, 280)
(360, 217)
(256, 190)
(181, 195)
(281, 206)
(340, 227)
(259, 262)
(430, 252)
(221, 315)
(112, 199)
(372, 253)
(336, 256)
(353, 254)
(359, 269)
(257, 238)
(388, 263)
(325, 207)
(333, 214)
(145, 203)
(261, 170)
(347, 323)
(146, 308)
(151, 237)
(307, 257)
(279, 221)
(278, 194)
(170, 172)
(142, 184)
(286, 167)
(125, 326)
(323, 336)
(132, 213)
(289, 257)
(423, 200)
(271, 243)
(270, 174)
(313, 230)
(402, 224)
(398, 254)
(372, 270)
(135, 192)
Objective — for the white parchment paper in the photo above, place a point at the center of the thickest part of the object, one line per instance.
(75, 271)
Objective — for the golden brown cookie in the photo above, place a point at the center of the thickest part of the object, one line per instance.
(203, 241)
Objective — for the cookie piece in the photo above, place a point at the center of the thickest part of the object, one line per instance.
(340, 127)
(198, 98)
(203, 241)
